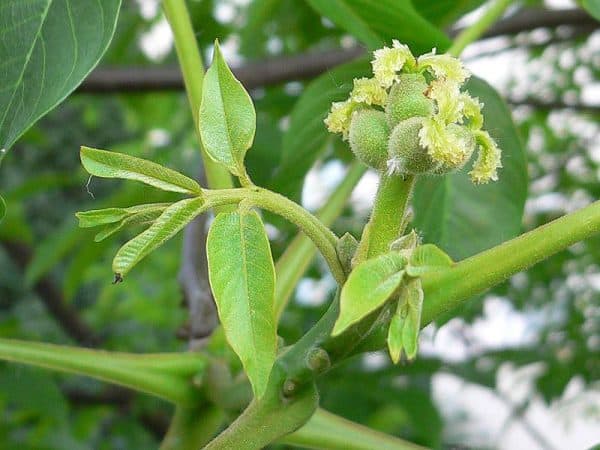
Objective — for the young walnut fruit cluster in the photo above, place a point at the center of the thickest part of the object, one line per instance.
(412, 117)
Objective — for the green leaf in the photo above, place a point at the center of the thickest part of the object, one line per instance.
(463, 218)
(95, 217)
(242, 278)
(444, 13)
(2, 208)
(169, 223)
(592, 7)
(403, 333)
(369, 286)
(48, 48)
(306, 138)
(427, 258)
(146, 217)
(377, 22)
(104, 164)
(227, 117)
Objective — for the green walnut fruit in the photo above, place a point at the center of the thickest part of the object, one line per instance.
(407, 99)
(368, 137)
(406, 155)
(467, 142)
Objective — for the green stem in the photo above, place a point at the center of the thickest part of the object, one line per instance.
(324, 239)
(294, 262)
(387, 217)
(193, 76)
(473, 32)
(163, 375)
(445, 290)
(328, 431)
(191, 428)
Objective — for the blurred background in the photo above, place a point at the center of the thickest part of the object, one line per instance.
(518, 369)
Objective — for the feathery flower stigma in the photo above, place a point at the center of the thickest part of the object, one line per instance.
(441, 145)
(448, 99)
(389, 61)
(444, 66)
(369, 91)
(472, 111)
(338, 119)
(488, 161)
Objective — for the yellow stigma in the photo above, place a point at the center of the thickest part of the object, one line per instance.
(444, 66)
(448, 100)
(338, 119)
(368, 91)
(488, 162)
(389, 61)
(441, 145)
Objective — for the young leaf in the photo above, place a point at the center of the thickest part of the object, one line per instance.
(169, 223)
(47, 48)
(403, 333)
(368, 287)
(146, 217)
(427, 258)
(104, 164)
(242, 278)
(227, 117)
(95, 217)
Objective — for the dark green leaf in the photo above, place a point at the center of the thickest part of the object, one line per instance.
(307, 136)
(369, 286)
(169, 223)
(47, 48)
(104, 164)
(227, 116)
(592, 7)
(377, 22)
(242, 278)
(463, 218)
(445, 12)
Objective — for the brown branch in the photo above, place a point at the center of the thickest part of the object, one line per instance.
(66, 316)
(193, 280)
(551, 105)
(304, 66)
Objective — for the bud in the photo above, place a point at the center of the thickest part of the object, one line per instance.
(368, 137)
(406, 155)
(407, 99)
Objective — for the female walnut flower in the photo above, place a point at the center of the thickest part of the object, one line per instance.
(412, 117)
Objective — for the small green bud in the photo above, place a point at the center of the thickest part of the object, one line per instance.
(406, 155)
(407, 99)
(368, 137)
(346, 248)
(318, 360)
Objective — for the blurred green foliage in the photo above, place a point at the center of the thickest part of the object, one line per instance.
(44, 185)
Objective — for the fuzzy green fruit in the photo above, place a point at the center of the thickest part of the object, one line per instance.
(368, 137)
(405, 152)
(407, 99)
(468, 142)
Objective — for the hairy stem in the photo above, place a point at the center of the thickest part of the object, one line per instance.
(294, 262)
(192, 427)
(163, 375)
(328, 431)
(193, 76)
(447, 289)
(324, 239)
(387, 217)
(476, 30)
